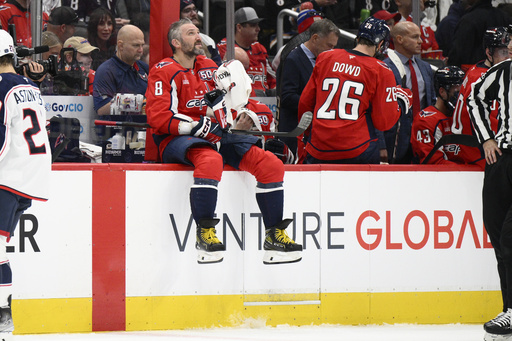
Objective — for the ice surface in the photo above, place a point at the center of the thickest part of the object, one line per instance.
(401, 332)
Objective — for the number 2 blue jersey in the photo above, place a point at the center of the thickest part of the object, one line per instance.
(25, 155)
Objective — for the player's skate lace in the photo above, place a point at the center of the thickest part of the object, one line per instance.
(206, 238)
(277, 239)
(282, 237)
(501, 324)
(209, 236)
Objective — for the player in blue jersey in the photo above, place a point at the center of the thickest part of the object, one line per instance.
(25, 160)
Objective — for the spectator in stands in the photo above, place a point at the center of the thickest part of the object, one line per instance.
(446, 27)
(53, 42)
(304, 20)
(100, 33)
(428, 37)
(246, 37)
(83, 8)
(467, 46)
(406, 68)
(83, 55)
(16, 12)
(131, 9)
(49, 5)
(188, 10)
(390, 18)
(295, 71)
(124, 73)
(62, 22)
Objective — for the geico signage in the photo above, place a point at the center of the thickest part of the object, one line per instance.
(70, 107)
(372, 230)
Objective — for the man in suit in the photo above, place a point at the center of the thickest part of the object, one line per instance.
(296, 70)
(406, 67)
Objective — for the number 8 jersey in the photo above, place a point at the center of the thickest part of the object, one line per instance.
(25, 155)
(350, 94)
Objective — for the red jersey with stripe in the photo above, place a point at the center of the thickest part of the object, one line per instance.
(12, 13)
(260, 72)
(350, 94)
(176, 94)
(427, 128)
(265, 116)
(461, 121)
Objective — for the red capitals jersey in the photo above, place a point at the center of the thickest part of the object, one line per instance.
(265, 116)
(349, 94)
(427, 128)
(461, 121)
(12, 13)
(176, 94)
(260, 71)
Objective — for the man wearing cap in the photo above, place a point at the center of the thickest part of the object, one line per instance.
(188, 10)
(16, 12)
(390, 18)
(124, 73)
(83, 56)
(246, 37)
(62, 22)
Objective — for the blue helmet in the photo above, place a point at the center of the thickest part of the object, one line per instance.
(375, 30)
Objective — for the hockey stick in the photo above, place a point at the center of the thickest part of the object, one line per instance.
(304, 123)
(466, 140)
(121, 124)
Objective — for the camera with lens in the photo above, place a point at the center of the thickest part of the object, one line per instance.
(49, 65)
(66, 76)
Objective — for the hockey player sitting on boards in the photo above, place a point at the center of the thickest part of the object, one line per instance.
(184, 133)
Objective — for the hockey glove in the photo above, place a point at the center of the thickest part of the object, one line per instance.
(404, 98)
(216, 106)
(280, 149)
(207, 130)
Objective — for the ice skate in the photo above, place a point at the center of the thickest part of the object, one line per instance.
(6, 325)
(209, 247)
(279, 248)
(499, 328)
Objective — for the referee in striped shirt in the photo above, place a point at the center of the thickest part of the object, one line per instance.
(497, 187)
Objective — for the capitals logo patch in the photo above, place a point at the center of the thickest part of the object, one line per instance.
(162, 64)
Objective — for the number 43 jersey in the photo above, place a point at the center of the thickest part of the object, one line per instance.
(350, 94)
(25, 155)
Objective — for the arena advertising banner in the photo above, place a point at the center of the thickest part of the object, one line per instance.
(81, 107)
(50, 253)
(361, 231)
(114, 249)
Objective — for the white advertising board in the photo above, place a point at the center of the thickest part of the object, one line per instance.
(362, 232)
(52, 245)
